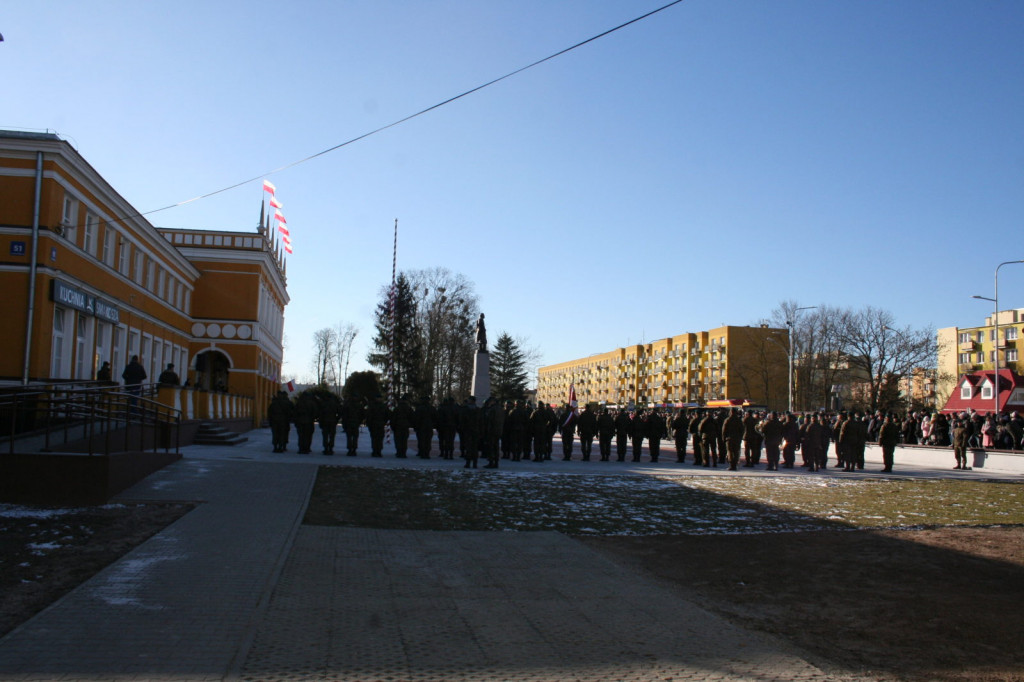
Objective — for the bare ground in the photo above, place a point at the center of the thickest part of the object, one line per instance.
(46, 553)
(938, 604)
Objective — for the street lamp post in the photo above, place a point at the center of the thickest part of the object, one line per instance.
(789, 323)
(995, 323)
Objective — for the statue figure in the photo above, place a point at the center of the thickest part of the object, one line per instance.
(481, 334)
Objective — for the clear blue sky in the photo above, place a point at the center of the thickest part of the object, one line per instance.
(691, 170)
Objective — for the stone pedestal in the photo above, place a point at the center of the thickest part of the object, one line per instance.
(482, 376)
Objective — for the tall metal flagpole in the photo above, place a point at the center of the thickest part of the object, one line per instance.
(391, 322)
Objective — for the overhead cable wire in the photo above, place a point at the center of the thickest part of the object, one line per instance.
(418, 113)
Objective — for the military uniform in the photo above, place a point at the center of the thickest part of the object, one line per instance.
(771, 429)
(586, 426)
(888, 437)
(752, 440)
(680, 432)
(351, 419)
(401, 418)
(306, 410)
(637, 434)
(567, 427)
(469, 432)
(447, 425)
(709, 440)
(732, 434)
(330, 413)
(279, 413)
(698, 449)
(376, 423)
(605, 433)
(493, 419)
(623, 429)
(424, 425)
(656, 430)
(539, 425)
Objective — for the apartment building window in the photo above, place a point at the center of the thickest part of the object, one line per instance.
(965, 337)
(1011, 355)
(125, 257)
(981, 336)
(986, 392)
(981, 356)
(116, 357)
(965, 392)
(102, 344)
(965, 358)
(992, 334)
(107, 254)
(89, 238)
(1011, 334)
(991, 356)
(83, 348)
(69, 217)
(58, 348)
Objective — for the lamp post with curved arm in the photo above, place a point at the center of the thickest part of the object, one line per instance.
(995, 323)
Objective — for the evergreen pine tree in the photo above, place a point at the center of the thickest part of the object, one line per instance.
(408, 351)
(508, 369)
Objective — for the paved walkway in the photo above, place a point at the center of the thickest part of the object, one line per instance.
(237, 589)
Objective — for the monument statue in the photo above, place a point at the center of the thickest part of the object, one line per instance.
(481, 334)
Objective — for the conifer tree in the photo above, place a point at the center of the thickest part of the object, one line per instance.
(508, 369)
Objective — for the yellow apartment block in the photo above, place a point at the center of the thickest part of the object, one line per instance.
(727, 363)
(87, 280)
(970, 349)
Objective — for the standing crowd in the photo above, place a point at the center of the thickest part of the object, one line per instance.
(517, 431)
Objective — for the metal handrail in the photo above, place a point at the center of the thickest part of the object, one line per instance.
(51, 413)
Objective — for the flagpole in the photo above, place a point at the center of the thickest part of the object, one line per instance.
(391, 330)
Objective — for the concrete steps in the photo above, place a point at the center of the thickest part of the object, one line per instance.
(211, 434)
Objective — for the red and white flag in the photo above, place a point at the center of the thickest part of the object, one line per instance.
(284, 230)
(572, 404)
(288, 248)
(290, 386)
(275, 203)
(286, 239)
(280, 217)
(268, 186)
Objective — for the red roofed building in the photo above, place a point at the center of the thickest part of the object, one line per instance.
(975, 392)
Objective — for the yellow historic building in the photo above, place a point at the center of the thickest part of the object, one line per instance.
(726, 363)
(963, 350)
(87, 280)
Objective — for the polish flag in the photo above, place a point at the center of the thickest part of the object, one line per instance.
(290, 386)
(280, 217)
(287, 248)
(572, 404)
(275, 203)
(268, 186)
(283, 230)
(286, 239)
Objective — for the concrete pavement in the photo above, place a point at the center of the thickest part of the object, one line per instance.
(238, 589)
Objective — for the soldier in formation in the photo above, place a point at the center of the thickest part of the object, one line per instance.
(280, 413)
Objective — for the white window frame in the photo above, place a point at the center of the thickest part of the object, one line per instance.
(124, 256)
(140, 261)
(107, 254)
(1010, 334)
(84, 352)
(69, 217)
(59, 343)
(965, 391)
(89, 235)
(1011, 355)
(117, 351)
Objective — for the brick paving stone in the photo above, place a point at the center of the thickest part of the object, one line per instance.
(182, 604)
(550, 609)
